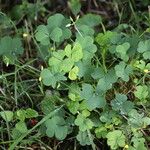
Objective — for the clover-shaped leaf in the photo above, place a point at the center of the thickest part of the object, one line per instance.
(83, 138)
(141, 92)
(56, 126)
(138, 120)
(116, 139)
(123, 71)
(7, 115)
(106, 80)
(121, 104)
(42, 35)
(122, 51)
(87, 46)
(55, 30)
(50, 79)
(10, 48)
(143, 47)
(75, 6)
(93, 99)
(56, 34)
(83, 122)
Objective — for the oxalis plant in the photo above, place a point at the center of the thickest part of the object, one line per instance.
(101, 80)
(97, 85)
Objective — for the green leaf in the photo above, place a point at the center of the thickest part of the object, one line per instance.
(106, 81)
(141, 92)
(84, 30)
(56, 126)
(77, 53)
(21, 114)
(55, 30)
(90, 20)
(143, 47)
(42, 35)
(135, 119)
(73, 73)
(98, 73)
(85, 69)
(55, 61)
(75, 6)
(101, 132)
(116, 139)
(50, 79)
(67, 64)
(11, 48)
(55, 20)
(122, 51)
(31, 113)
(58, 20)
(83, 138)
(68, 50)
(123, 71)
(110, 117)
(73, 106)
(83, 123)
(93, 99)
(56, 34)
(121, 104)
(7, 115)
(87, 46)
(138, 142)
(21, 127)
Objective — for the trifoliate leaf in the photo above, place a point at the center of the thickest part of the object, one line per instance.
(83, 138)
(136, 119)
(123, 71)
(143, 47)
(122, 51)
(55, 30)
(56, 126)
(101, 132)
(141, 92)
(116, 139)
(110, 117)
(93, 99)
(85, 69)
(55, 60)
(7, 115)
(121, 104)
(106, 80)
(73, 73)
(83, 123)
(10, 48)
(50, 79)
